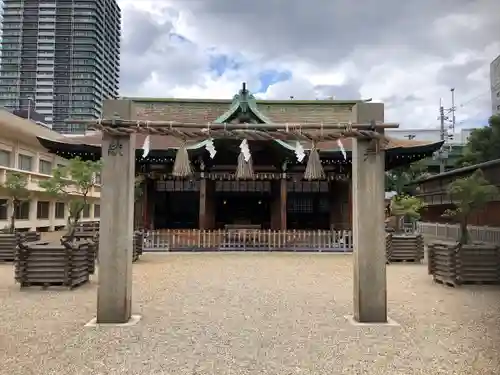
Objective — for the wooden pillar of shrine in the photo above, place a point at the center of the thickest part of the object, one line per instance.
(114, 294)
(335, 210)
(275, 205)
(210, 214)
(145, 204)
(283, 202)
(279, 203)
(207, 208)
(203, 202)
(340, 205)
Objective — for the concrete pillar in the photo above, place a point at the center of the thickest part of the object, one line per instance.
(370, 286)
(33, 212)
(114, 295)
(14, 163)
(52, 215)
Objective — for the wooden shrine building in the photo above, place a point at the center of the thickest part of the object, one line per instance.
(277, 197)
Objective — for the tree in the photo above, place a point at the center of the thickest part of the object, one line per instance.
(16, 187)
(79, 174)
(482, 144)
(406, 206)
(400, 179)
(468, 195)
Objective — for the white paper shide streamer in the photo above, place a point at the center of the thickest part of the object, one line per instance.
(210, 147)
(342, 149)
(146, 146)
(300, 153)
(245, 150)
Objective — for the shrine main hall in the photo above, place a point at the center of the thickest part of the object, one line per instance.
(277, 197)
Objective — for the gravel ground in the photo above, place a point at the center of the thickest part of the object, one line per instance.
(224, 313)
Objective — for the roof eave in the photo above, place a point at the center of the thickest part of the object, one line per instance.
(459, 171)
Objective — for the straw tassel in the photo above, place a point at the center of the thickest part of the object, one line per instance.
(244, 171)
(314, 169)
(182, 164)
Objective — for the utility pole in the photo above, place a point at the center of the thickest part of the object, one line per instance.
(442, 154)
(441, 118)
(453, 109)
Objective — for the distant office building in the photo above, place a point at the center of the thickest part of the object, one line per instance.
(61, 55)
(495, 85)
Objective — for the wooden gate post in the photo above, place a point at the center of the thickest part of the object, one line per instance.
(114, 295)
(370, 285)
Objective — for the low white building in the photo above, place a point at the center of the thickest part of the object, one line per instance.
(430, 134)
(21, 152)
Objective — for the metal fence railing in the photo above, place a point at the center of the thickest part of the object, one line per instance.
(452, 232)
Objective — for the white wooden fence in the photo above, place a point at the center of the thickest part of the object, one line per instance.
(248, 240)
(452, 232)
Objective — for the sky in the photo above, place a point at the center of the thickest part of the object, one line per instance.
(407, 54)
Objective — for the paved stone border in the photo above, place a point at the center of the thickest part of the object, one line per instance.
(132, 322)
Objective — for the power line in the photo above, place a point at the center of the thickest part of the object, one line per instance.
(468, 101)
(475, 113)
(454, 108)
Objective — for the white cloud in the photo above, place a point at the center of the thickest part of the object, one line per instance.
(408, 55)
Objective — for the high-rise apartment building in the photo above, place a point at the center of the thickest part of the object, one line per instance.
(495, 85)
(60, 57)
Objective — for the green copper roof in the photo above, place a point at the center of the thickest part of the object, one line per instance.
(244, 109)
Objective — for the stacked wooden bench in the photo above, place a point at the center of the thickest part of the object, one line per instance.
(453, 264)
(9, 242)
(404, 247)
(92, 238)
(46, 265)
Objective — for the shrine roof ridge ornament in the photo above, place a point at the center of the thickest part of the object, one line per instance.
(243, 108)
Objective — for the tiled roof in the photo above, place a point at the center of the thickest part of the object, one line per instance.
(202, 112)
(461, 171)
